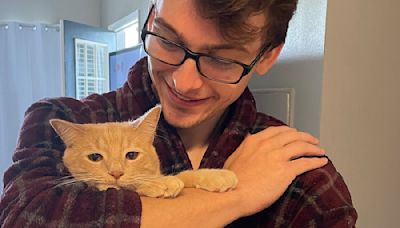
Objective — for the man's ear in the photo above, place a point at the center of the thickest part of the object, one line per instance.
(268, 59)
(151, 17)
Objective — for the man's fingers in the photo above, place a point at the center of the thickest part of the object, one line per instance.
(300, 149)
(303, 165)
(284, 138)
(290, 137)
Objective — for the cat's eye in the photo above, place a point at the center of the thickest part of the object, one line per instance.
(131, 155)
(95, 157)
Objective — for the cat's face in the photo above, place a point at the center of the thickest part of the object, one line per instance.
(111, 154)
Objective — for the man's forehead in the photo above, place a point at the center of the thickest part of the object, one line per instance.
(257, 20)
(166, 12)
(162, 24)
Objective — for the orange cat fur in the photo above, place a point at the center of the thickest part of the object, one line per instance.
(122, 155)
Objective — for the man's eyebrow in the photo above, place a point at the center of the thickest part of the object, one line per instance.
(165, 25)
(227, 47)
(210, 48)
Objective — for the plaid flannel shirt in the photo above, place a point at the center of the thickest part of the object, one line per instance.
(32, 198)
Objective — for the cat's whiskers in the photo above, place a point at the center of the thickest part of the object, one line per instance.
(72, 181)
(142, 180)
(142, 177)
(92, 180)
(79, 177)
(63, 178)
(66, 180)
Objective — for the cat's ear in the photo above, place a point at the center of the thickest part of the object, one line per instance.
(66, 130)
(147, 124)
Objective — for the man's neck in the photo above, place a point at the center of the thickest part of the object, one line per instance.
(196, 138)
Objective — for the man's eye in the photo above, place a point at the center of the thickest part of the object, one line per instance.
(95, 157)
(219, 63)
(168, 44)
(132, 155)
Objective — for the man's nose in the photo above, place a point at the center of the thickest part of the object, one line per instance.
(187, 78)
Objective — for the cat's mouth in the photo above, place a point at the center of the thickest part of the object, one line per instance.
(117, 184)
(104, 187)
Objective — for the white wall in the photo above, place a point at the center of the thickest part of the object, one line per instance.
(111, 10)
(360, 126)
(51, 11)
(300, 65)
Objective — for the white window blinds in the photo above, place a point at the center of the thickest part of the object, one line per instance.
(91, 68)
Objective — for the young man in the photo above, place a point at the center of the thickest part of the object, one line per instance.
(202, 54)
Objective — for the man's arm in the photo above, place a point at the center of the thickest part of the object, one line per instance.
(320, 197)
(193, 208)
(264, 166)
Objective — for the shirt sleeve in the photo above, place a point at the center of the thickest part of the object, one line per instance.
(33, 195)
(318, 198)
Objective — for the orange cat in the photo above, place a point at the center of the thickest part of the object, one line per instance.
(122, 155)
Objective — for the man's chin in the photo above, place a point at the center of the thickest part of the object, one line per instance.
(181, 124)
(184, 120)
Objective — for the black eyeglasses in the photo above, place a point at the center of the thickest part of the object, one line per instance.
(218, 69)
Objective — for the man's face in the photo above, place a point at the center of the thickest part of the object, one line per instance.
(187, 98)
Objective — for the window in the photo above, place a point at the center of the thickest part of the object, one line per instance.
(127, 30)
(91, 68)
(128, 36)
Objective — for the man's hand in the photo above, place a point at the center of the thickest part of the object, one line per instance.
(267, 162)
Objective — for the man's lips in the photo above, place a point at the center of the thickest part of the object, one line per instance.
(183, 97)
(184, 100)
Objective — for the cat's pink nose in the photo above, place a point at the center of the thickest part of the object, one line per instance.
(116, 174)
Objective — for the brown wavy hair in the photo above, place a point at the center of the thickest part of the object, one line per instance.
(231, 18)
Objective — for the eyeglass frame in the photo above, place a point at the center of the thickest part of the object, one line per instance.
(189, 54)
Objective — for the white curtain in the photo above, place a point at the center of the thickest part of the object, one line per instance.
(30, 69)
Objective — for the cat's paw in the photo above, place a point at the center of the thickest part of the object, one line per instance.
(163, 187)
(174, 186)
(213, 180)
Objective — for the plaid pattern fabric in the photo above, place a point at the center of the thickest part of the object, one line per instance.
(32, 198)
